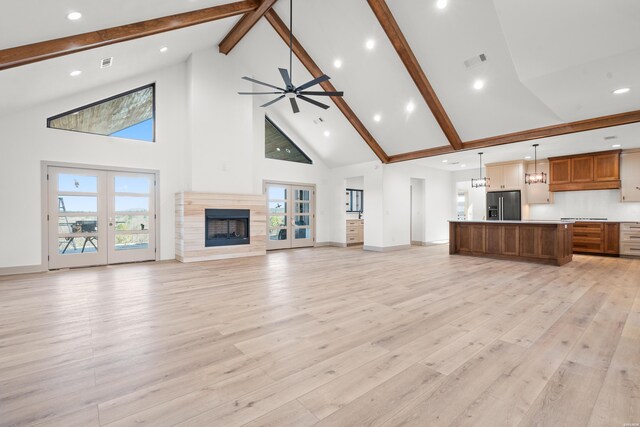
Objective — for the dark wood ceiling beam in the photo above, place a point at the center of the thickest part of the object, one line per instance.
(527, 135)
(23, 55)
(401, 45)
(243, 26)
(557, 130)
(283, 31)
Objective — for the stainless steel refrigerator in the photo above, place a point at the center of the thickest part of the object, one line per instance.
(504, 206)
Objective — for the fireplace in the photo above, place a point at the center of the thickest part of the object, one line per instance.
(226, 227)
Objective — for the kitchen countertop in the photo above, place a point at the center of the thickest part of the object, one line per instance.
(484, 221)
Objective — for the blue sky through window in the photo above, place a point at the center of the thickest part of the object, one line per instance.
(143, 131)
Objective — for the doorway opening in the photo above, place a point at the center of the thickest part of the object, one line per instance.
(354, 208)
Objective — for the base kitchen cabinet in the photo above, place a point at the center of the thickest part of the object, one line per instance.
(630, 239)
(355, 232)
(596, 238)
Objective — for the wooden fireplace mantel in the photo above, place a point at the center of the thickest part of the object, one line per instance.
(190, 225)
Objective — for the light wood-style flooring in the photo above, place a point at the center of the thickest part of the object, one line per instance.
(325, 336)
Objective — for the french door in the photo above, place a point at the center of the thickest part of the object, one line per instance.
(290, 216)
(99, 217)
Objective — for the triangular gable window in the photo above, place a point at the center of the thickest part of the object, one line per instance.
(128, 115)
(278, 146)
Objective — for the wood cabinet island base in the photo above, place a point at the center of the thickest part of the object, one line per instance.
(540, 242)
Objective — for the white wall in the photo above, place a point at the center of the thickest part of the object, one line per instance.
(587, 204)
(417, 210)
(26, 141)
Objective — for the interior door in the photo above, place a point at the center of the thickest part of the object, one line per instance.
(98, 217)
(131, 225)
(77, 209)
(291, 215)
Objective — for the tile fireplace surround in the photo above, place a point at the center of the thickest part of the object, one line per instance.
(190, 225)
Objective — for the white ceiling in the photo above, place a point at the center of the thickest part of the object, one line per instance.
(548, 62)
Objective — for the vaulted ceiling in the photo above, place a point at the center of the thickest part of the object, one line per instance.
(548, 63)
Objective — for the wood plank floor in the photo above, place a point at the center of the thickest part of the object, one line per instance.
(326, 336)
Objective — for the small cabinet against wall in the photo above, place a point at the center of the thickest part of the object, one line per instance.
(508, 176)
(538, 193)
(355, 232)
(630, 175)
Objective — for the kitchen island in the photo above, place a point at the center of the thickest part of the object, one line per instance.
(546, 242)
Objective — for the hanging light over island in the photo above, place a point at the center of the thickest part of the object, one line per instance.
(482, 181)
(535, 177)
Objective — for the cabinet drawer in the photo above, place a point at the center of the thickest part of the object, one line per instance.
(353, 222)
(630, 249)
(352, 230)
(587, 247)
(630, 237)
(585, 226)
(630, 226)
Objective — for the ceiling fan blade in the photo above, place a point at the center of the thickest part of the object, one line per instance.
(273, 101)
(322, 93)
(313, 101)
(285, 76)
(262, 83)
(294, 105)
(259, 93)
(322, 78)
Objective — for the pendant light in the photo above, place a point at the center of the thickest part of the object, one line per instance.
(480, 182)
(535, 177)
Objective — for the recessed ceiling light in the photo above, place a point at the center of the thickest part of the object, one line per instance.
(288, 150)
(74, 16)
(337, 63)
(527, 157)
(445, 161)
(75, 73)
(163, 49)
(277, 148)
(370, 44)
(441, 4)
(377, 118)
(616, 146)
(327, 133)
(410, 107)
(621, 90)
(463, 166)
(478, 84)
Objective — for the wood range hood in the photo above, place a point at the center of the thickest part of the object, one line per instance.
(582, 172)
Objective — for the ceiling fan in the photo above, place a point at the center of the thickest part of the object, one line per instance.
(290, 91)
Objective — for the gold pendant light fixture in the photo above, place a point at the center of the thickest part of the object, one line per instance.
(535, 177)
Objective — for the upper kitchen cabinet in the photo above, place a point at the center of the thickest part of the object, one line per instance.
(630, 174)
(593, 171)
(538, 193)
(505, 176)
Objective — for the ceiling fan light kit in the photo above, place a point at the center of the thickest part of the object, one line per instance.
(290, 90)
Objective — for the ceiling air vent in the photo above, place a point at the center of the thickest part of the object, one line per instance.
(609, 138)
(106, 62)
(476, 60)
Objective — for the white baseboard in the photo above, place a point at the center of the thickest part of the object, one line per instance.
(386, 248)
(334, 244)
(436, 243)
(23, 269)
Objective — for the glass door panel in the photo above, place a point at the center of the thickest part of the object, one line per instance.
(76, 215)
(278, 216)
(131, 227)
(303, 219)
(290, 216)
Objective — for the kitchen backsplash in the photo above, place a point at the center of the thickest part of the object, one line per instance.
(584, 204)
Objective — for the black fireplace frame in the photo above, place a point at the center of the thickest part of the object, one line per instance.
(227, 214)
